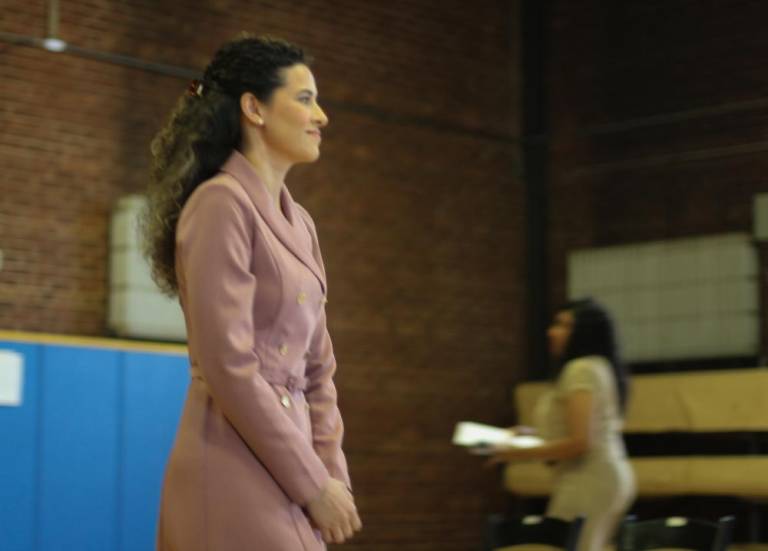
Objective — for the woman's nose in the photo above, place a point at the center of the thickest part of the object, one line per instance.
(320, 117)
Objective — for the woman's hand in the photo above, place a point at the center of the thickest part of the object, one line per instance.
(333, 511)
(575, 443)
(500, 455)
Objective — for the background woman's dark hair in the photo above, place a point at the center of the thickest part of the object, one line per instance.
(201, 133)
(594, 334)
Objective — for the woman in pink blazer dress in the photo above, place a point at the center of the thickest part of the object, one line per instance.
(257, 462)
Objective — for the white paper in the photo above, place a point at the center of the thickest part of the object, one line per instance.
(11, 378)
(477, 435)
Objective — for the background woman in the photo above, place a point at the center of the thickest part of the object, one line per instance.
(580, 421)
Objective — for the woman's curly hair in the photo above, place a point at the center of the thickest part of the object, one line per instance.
(201, 133)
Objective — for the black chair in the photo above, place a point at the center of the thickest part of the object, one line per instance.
(533, 529)
(675, 532)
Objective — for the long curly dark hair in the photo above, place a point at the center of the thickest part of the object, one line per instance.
(594, 334)
(202, 131)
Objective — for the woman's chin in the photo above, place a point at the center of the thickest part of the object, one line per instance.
(307, 156)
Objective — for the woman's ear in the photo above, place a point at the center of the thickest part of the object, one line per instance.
(251, 108)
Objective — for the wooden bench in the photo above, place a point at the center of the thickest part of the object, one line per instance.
(729, 403)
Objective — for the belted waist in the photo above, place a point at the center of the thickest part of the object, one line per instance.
(274, 377)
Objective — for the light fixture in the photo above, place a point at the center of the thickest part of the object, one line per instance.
(54, 44)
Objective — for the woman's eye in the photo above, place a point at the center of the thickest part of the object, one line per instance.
(305, 99)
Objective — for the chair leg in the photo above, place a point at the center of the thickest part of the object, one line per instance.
(753, 524)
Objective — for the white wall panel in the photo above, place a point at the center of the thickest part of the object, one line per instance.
(137, 307)
(676, 299)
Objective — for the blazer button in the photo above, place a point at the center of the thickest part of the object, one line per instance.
(301, 298)
(283, 349)
(285, 401)
(324, 300)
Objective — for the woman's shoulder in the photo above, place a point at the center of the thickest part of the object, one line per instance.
(219, 202)
(219, 191)
(585, 362)
(583, 371)
(222, 186)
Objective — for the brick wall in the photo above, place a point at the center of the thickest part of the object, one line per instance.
(416, 200)
(660, 121)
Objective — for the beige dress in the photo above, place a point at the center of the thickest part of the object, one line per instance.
(599, 485)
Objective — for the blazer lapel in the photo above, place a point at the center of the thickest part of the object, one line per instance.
(287, 232)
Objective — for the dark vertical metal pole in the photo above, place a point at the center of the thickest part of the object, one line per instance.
(762, 256)
(53, 19)
(535, 51)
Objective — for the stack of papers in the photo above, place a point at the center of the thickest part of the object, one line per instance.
(485, 437)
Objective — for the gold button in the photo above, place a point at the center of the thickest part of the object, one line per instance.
(325, 299)
(301, 298)
(286, 401)
(283, 349)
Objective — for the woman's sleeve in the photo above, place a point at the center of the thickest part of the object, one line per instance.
(578, 374)
(327, 425)
(214, 241)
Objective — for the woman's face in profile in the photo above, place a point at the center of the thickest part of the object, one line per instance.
(293, 118)
(559, 332)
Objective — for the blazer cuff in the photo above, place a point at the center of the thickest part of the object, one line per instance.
(309, 487)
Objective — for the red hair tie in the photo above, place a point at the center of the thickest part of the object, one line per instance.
(195, 88)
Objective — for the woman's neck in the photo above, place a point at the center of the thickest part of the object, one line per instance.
(271, 172)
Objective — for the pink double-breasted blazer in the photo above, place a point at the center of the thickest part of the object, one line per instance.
(261, 431)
